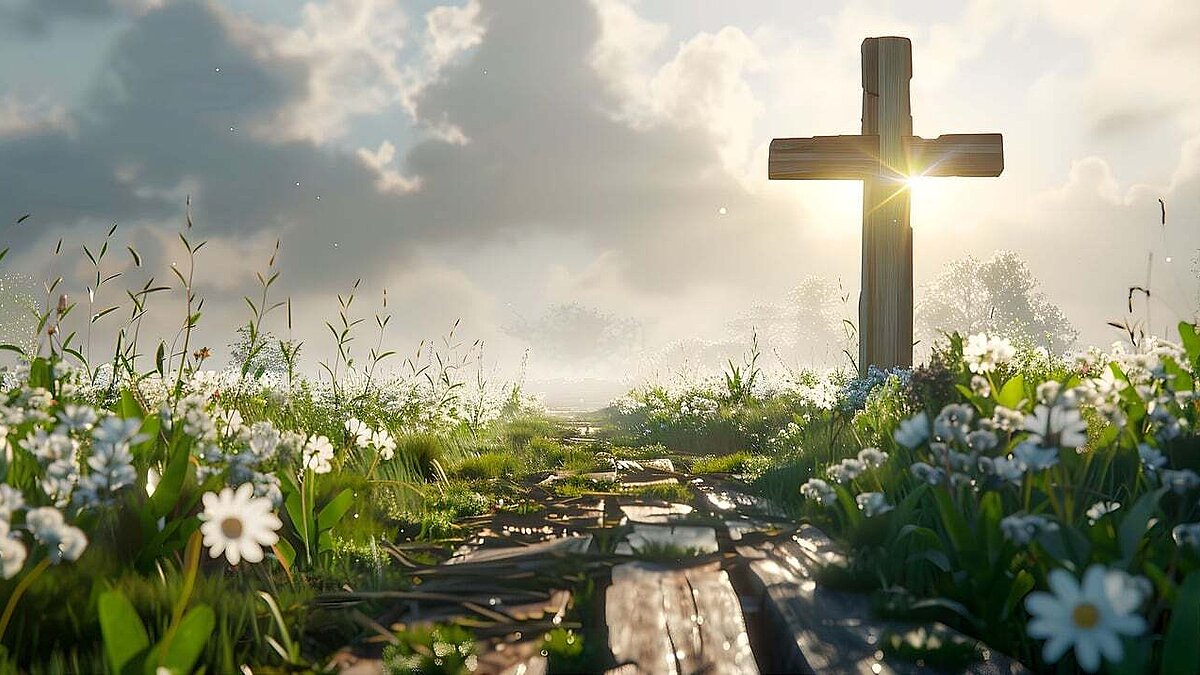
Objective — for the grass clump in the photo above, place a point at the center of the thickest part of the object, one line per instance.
(667, 492)
(732, 463)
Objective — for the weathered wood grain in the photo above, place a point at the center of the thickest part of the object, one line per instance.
(676, 621)
(884, 156)
(825, 631)
(857, 157)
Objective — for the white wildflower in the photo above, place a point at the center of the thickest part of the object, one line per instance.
(926, 473)
(1100, 509)
(980, 386)
(12, 552)
(62, 541)
(872, 457)
(1081, 616)
(383, 442)
(1181, 481)
(1032, 457)
(818, 491)
(847, 470)
(359, 432)
(913, 431)
(983, 354)
(872, 504)
(1151, 457)
(1007, 419)
(318, 452)
(1057, 425)
(77, 417)
(953, 422)
(1187, 535)
(1022, 529)
(238, 524)
(982, 441)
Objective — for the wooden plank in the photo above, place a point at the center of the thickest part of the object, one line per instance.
(967, 155)
(676, 621)
(826, 631)
(856, 157)
(823, 158)
(560, 546)
(885, 326)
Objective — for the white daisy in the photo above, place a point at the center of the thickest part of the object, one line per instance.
(1083, 616)
(238, 524)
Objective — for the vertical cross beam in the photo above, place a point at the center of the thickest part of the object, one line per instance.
(885, 305)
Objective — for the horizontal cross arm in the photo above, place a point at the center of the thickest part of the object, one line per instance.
(857, 157)
(968, 155)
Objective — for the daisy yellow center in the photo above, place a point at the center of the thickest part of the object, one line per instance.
(231, 528)
(1085, 615)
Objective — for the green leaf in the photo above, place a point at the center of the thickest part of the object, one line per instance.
(1190, 340)
(295, 510)
(1133, 526)
(171, 484)
(287, 554)
(953, 522)
(1012, 392)
(190, 639)
(1181, 648)
(1021, 585)
(160, 358)
(125, 638)
(335, 509)
(129, 407)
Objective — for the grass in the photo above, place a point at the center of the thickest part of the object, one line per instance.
(667, 492)
(730, 464)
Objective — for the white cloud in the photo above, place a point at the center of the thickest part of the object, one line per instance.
(19, 117)
(352, 50)
(390, 180)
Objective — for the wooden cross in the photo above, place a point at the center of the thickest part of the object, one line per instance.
(884, 157)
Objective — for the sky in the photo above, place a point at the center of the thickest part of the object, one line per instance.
(486, 162)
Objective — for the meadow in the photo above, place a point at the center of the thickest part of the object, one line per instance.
(160, 516)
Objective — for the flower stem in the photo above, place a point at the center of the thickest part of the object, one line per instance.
(22, 586)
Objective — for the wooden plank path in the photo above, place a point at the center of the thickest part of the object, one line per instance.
(697, 607)
(724, 584)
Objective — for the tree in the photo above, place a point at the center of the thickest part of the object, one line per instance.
(573, 333)
(999, 296)
(810, 326)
